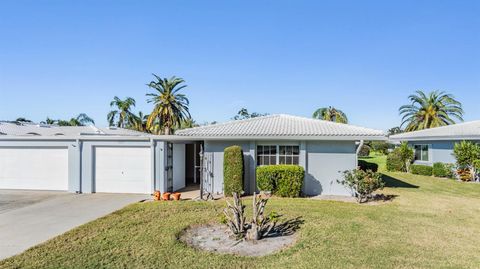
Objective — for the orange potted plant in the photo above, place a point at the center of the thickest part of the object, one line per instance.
(156, 196)
(176, 196)
(166, 196)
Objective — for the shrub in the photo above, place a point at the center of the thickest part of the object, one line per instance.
(364, 151)
(362, 183)
(364, 165)
(233, 170)
(400, 158)
(423, 170)
(467, 153)
(395, 162)
(443, 170)
(282, 180)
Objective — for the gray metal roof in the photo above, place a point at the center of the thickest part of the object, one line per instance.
(460, 131)
(282, 126)
(43, 130)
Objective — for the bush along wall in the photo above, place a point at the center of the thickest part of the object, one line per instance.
(281, 180)
(443, 170)
(423, 170)
(233, 170)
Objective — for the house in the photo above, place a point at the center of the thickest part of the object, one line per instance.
(436, 144)
(90, 159)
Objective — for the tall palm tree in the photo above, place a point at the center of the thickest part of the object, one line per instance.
(170, 106)
(330, 114)
(430, 110)
(121, 116)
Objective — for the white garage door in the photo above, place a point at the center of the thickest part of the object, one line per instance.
(122, 170)
(34, 168)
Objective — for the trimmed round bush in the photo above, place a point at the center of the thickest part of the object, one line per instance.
(233, 170)
(423, 170)
(395, 162)
(364, 165)
(281, 180)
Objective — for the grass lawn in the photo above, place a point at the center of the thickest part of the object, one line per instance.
(432, 223)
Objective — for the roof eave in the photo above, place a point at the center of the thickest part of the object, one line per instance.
(441, 138)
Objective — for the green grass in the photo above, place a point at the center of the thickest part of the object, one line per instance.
(432, 223)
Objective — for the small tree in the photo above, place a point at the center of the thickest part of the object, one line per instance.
(362, 183)
(233, 170)
(407, 155)
(467, 153)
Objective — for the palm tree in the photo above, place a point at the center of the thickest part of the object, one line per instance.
(139, 122)
(330, 114)
(122, 114)
(81, 120)
(430, 110)
(170, 106)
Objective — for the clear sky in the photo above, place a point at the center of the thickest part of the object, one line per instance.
(62, 58)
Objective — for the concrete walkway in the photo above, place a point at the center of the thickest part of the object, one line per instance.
(25, 226)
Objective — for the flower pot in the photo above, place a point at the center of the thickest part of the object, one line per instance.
(166, 196)
(176, 196)
(156, 196)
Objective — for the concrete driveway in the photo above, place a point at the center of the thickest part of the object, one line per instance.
(28, 218)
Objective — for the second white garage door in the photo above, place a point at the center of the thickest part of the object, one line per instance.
(123, 170)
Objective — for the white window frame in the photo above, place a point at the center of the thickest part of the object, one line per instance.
(421, 152)
(277, 157)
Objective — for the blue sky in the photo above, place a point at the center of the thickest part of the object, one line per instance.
(61, 58)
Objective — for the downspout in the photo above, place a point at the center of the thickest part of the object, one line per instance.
(360, 145)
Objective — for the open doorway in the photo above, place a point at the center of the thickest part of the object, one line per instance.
(192, 165)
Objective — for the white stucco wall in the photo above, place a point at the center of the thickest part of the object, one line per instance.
(439, 151)
(323, 162)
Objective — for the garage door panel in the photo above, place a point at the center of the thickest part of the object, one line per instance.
(34, 168)
(122, 169)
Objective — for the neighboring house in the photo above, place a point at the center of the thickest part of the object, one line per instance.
(436, 144)
(90, 159)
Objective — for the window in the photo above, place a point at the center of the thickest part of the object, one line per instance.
(275, 154)
(289, 154)
(421, 153)
(266, 155)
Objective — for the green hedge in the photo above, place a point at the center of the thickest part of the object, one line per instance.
(364, 165)
(233, 170)
(423, 170)
(443, 170)
(282, 180)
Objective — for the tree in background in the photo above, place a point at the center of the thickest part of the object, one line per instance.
(394, 131)
(81, 120)
(170, 106)
(122, 115)
(330, 114)
(138, 122)
(243, 114)
(21, 119)
(430, 110)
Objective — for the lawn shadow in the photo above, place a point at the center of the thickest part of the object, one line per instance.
(286, 228)
(392, 182)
